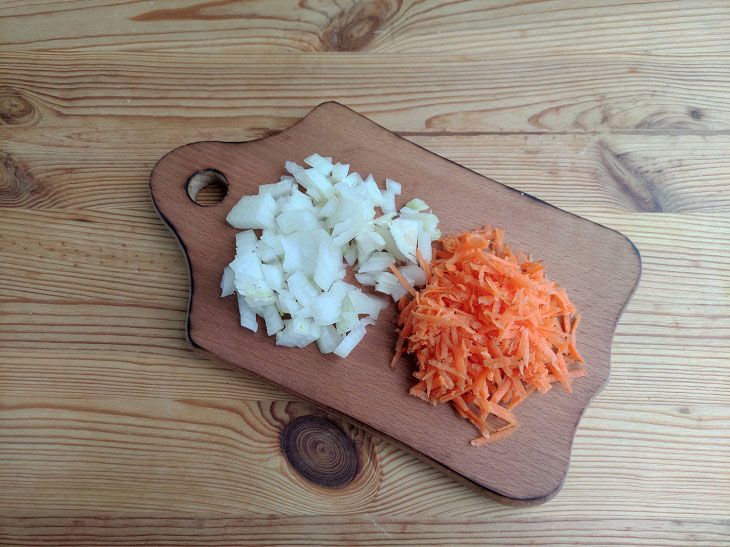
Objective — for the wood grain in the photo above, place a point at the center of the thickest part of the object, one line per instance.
(218, 454)
(584, 174)
(334, 531)
(445, 94)
(383, 26)
(615, 111)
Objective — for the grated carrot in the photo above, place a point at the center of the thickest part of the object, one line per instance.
(487, 330)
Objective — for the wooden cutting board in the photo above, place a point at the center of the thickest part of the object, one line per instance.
(599, 267)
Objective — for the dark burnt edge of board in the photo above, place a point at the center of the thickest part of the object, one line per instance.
(484, 490)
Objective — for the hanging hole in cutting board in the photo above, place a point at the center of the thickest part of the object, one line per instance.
(207, 187)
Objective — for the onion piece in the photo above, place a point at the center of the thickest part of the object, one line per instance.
(273, 319)
(365, 304)
(329, 208)
(351, 255)
(274, 276)
(320, 182)
(376, 263)
(298, 332)
(393, 186)
(248, 316)
(328, 264)
(369, 242)
(339, 172)
(295, 201)
(405, 234)
(366, 279)
(387, 283)
(329, 339)
(326, 308)
(414, 275)
(417, 205)
(278, 189)
(227, 284)
(245, 242)
(424, 245)
(388, 205)
(373, 191)
(292, 221)
(353, 338)
(253, 212)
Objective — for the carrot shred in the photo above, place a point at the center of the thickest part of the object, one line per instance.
(424, 265)
(403, 280)
(487, 330)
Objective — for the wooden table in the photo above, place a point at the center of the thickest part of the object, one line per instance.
(111, 429)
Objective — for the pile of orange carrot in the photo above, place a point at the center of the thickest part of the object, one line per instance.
(487, 330)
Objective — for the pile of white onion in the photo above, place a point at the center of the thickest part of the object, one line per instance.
(293, 274)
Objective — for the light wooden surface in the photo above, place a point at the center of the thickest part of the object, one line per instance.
(110, 427)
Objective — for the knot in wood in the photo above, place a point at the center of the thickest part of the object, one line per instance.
(320, 451)
(354, 29)
(18, 186)
(15, 109)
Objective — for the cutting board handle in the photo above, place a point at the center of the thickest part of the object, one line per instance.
(171, 177)
(181, 174)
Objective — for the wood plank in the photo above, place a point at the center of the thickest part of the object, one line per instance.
(333, 531)
(214, 455)
(405, 93)
(55, 321)
(388, 26)
(582, 173)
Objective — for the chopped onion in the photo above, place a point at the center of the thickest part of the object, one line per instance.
(227, 284)
(405, 235)
(292, 221)
(278, 189)
(320, 182)
(417, 205)
(366, 279)
(369, 242)
(351, 255)
(296, 201)
(329, 264)
(388, 205)
(274, 275)
(327, 210)
(424, 245)
(326, 308)
(414, 275)
(288, 304)
(339, 172)
(387, 283)
(293, 274)
(373, 191)
(353, 338)
(365, 304)
(253, 212)
(245, 242)
(248, 316)
(273, 319)
(376, 263)
(329, 339)
(393, 186)
(298, 332)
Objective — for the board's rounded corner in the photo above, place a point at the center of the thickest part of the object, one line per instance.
(515, 500)
(637, 254)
